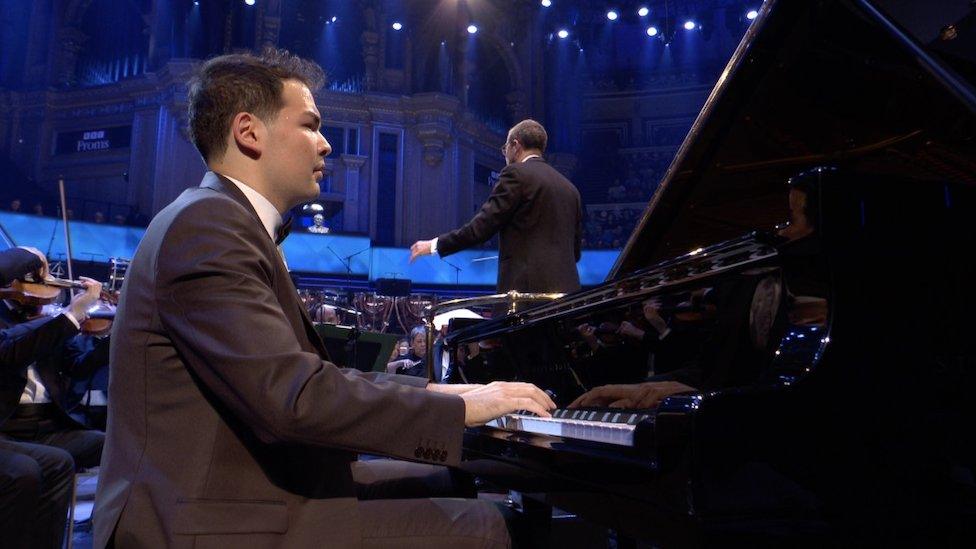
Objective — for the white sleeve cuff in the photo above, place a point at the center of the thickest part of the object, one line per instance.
(433, 245)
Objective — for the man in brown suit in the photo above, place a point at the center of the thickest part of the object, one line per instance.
(227, 426)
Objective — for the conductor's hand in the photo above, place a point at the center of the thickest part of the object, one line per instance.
(42, 271)
(504, 397)
(638, 395)
(83, 301)
(419, 248)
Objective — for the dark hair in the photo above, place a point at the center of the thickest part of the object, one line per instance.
(230, 84)
(530, 134)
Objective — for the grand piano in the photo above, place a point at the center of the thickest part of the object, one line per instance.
(801, 285)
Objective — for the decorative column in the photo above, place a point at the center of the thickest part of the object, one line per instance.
(269, 28)
(435, 138)
(516, 105)
(71, 41)
(370, 41)
(350, 212)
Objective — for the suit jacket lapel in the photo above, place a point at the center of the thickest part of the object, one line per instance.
(221, 184)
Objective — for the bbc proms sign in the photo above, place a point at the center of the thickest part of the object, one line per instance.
(88, 141)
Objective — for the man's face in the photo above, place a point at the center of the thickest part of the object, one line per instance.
(419, 345)
(293, 160)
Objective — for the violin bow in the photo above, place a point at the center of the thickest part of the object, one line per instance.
(67, 230)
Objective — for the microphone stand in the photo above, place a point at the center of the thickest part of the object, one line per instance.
(350, 256)
(344, 261)
(457, 272)
(347, 261)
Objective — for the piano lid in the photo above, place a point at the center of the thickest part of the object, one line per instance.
(834, 82)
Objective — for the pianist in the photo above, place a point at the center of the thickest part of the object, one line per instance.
(228, 426)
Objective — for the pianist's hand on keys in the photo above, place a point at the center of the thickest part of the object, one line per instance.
(483, 403)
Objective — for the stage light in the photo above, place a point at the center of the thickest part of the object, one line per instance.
(472, 29)
(563, 33)
(752, 15)
(334, 19)
(249, 2)
(643, 11)
(652, 31)
(546, 3)
(612, 15)
(397, 26)
(690, 25)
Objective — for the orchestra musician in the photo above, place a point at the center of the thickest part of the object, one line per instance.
(227, 424)
(37, 439)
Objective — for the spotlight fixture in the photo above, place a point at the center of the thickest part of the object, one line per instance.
(652, 31)
(546, 3)
(643, 11)
(563, 33)
(397, 25)
(472, 29)
(690, 25)
(752, 14)
(249, 2)
(612, 15)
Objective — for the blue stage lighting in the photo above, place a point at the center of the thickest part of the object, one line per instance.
(472, 29)
(397, 25)
(652, 31)
(643, 11)
(612, 15)
(752, 15)
(563, 33)
(690, 25)
(249, 2)
(546, 3)
(334, 19)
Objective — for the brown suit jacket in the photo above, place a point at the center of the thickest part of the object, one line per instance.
(537, 215)
(226, 426)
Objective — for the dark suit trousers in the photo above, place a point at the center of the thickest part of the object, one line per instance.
(409, 505)
(43, 424)
(35, 491)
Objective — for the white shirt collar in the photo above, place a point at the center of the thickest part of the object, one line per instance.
(531, 156)
(268, 214)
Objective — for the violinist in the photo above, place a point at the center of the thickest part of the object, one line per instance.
(35, 478)
(34, 374)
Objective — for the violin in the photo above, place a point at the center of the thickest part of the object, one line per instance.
(101, 315)
(38, 294)
(37, 299)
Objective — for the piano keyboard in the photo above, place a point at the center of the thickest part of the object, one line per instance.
(606, 426)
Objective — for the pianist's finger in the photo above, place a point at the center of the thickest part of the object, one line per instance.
(525, 403)
(522, 389)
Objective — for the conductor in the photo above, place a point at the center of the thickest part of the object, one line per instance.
(535, 211)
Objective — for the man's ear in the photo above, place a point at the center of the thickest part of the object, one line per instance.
(249, 134)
